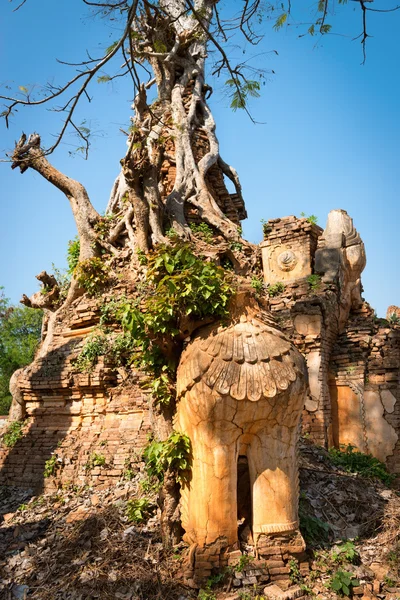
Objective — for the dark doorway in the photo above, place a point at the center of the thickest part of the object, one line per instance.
(244, 503)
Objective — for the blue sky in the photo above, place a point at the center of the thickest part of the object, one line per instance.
(330, 137)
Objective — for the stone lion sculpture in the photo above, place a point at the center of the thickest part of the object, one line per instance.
(241, 388)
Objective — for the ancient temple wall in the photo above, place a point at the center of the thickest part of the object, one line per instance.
(288, 249)
(365, 391)
(307, 313)
(353, 359)
(77, 417)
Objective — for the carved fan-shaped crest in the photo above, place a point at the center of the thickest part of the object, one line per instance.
(245, 360)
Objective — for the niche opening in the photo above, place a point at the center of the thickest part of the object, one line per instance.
(243, 499)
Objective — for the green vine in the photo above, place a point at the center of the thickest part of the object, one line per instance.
(173, 454)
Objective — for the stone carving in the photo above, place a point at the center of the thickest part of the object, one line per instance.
(341, 257)
(287, 260)
(241, 389)
(288, 249)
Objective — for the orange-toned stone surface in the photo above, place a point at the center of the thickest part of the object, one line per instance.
(241, 391)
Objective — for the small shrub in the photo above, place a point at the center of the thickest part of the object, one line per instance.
(345, 553)
(257, 284)
(311, 218)
(50, 466)
(95, 460)
(204, 231)
(276, 289)
(294, 572)
(215, 580)
(95, 345)
(73, 251)
(314, 281)
(366, 465)
(313, 529)
(13, 433)
(343, 582)
(22, 507)
(389, 582)
(91, 274)
(245, 595)
(243, 562)
(104, 225)
(138, 510)
(171, 454)
(161, 387)
(206, 595)
(266, 227)
(129, 473)
(142, 258)
(394, 319)
(236, 246)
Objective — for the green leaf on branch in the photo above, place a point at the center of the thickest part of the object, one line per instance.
(242, 89)
(111, 48)
(281, 20)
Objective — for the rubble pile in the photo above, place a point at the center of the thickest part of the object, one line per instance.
(77, 543)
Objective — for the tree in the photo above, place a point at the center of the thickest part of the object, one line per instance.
(163, 44)
(20, 330)
(172, 174)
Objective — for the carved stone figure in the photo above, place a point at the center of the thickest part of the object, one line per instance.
(341, 257)
(241, 387)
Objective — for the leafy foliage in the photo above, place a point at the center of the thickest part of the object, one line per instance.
(266, 227)
(185, 284)
(91, 274)
(20, 331)
(204, 231)
(172, 454)
(138, 510)
(243, 562)
(13, 433)
(311, 218)
(258, 285)
(236, 246)
(95, 460)
(342, 583)
(103, 226)
(366, 465)
(50, 466)
(242, 88)
(313, 530)
(276, 289)
(345, 553)
(73, 250)
(206, 595)
(314, 281)
(394, 319)
(281, 20)
(179, 284)
(95, 345)
(294, 572)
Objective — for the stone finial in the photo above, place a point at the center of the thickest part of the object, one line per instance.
(341, 258)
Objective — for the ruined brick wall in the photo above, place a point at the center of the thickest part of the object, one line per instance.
(354, 370)
(365, 387)
(82, 419)
(306, 310)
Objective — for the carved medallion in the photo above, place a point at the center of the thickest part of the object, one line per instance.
(287, 260)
